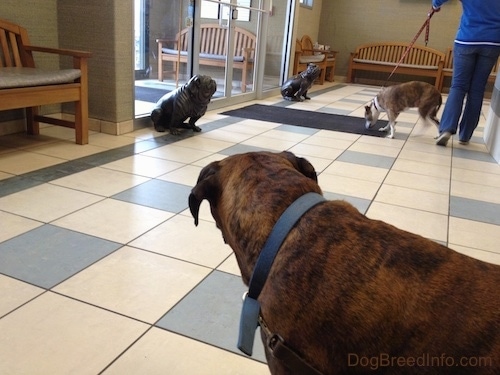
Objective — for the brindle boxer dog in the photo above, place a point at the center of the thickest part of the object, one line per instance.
(349, 294)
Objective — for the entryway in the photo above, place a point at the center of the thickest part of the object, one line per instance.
(196, 37)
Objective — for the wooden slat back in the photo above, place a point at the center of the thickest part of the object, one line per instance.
(392, 52)
(11, 41)
(213, 40)
(448, 59)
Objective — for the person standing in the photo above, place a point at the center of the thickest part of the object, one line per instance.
(475, 52)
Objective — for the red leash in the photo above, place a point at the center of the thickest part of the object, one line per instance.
(426, 25)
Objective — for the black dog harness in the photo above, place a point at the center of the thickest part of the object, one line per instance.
(250, 313)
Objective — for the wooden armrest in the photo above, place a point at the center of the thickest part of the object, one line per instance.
(59, 51)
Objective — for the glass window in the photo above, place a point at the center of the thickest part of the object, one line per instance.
(306, 3)
(210, 9)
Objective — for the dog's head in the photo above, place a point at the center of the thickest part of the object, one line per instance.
(312, 72)
(248, 192)
(371, 115)
(201, 88)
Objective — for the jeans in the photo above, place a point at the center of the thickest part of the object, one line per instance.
(471, 68)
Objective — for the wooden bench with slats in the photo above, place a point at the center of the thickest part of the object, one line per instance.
(23, 85)
(213, 50)
(448, 68)
(384, 56)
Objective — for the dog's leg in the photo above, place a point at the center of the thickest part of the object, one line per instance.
(385, 128)
(391, 126)
(393, 129)
(192, 124)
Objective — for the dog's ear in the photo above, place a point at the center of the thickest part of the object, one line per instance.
(368, 108)
(302, 165)
(207, 187)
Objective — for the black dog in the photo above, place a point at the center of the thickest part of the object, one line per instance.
(296, 87)
(190, 100)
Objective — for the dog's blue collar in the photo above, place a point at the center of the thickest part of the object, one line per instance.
(251, 307)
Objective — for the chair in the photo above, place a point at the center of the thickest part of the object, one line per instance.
(23, 85)
(305, 56)
(307, 44)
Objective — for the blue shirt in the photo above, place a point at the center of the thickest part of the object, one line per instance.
(480, 22)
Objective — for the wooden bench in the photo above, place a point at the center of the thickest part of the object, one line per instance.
(384, 56)
(22, 85)
(448, 68)
(213, 50)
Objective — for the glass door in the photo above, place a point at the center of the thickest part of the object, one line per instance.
(228, 43)
(239, 43)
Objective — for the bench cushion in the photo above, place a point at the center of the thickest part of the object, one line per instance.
(377, 62)
(27, 77)
(311, 59)
(171, 51)
(202, 55)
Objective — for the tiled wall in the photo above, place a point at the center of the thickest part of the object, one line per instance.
(104, 28)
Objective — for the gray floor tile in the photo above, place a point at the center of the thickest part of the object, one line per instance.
(48, 255)
(162, 195)
(17, 183)
(211, 313)
(360, 203)
(297, 129)
(336, 111)
(473, 155)
(475, 210)
(362, 158)
(241, 149)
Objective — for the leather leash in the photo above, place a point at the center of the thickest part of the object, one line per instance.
(250, 313)
(426, 25)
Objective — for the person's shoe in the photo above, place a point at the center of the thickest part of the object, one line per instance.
(443, 138)
(465, 143)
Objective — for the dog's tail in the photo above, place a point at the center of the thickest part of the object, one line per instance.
(433, 115)
(439, 103)
(428, 119)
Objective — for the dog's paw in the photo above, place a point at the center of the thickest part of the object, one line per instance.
(390, 136)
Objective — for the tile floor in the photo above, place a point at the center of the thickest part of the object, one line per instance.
(103, 271)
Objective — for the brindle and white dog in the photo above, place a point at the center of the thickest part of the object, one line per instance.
(398, 98)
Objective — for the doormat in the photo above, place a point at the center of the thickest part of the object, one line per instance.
(149, 94)
(308, 119)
